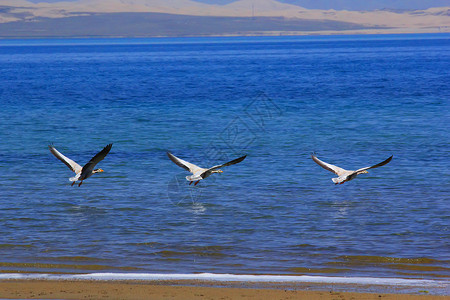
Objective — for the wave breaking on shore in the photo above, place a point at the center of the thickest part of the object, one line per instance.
(233, 278)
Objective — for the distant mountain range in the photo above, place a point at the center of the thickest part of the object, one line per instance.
(145, 18)
(337, 4)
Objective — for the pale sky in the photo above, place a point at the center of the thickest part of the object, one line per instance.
(339, 4)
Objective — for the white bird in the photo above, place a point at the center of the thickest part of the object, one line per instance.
(201, 173)
(81, 173)
(346, 175)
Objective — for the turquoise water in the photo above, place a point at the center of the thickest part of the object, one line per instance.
(353, 100)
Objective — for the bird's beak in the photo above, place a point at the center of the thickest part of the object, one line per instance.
(220, 171)
(100, 170)
(365, 172)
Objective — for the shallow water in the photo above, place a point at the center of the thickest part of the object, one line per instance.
(353, 100)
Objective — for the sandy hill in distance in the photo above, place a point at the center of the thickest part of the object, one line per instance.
(20, 18)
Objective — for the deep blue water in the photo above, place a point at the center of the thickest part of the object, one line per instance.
(353, 100)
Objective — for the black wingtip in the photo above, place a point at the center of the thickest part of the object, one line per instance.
(240, 159)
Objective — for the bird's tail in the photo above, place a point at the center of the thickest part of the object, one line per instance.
(339, 180)
(74, 178)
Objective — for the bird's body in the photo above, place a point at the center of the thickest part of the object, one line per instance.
(200, 173)
(346, 175)
(81, 173)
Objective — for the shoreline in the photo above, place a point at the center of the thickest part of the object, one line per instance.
(214, 286)
(362, 32)
(181, 289)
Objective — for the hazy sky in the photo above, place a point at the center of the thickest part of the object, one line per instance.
(339, 4)
(369, 4)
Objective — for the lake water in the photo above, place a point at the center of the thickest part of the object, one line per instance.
(354, 100)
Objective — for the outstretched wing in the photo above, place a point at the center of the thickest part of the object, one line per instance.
(233, 162)
(377, 165)
(97, 158)
(67, 161)
(184, 164)
(332, 168)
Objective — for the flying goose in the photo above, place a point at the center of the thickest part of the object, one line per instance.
(346, 175)
(200, 173)
(81, 173)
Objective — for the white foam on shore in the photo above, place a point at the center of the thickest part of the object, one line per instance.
(235, 278)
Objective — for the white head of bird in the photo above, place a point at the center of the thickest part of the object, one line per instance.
(98, 171)
(217, 171)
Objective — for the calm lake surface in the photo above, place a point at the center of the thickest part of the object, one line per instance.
(354, 100)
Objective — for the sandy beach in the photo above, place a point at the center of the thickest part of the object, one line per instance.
(58, 289)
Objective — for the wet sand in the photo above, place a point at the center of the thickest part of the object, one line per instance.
(64, 289)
